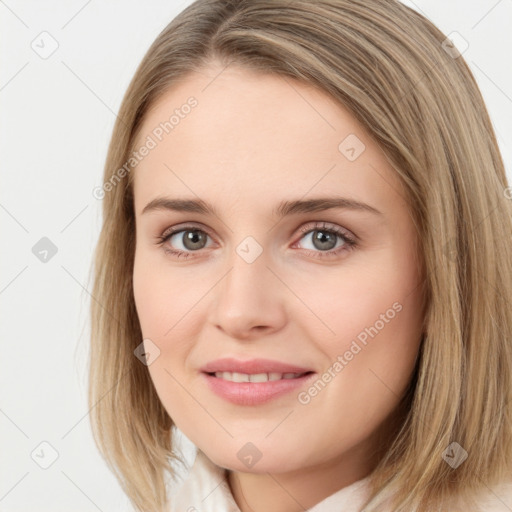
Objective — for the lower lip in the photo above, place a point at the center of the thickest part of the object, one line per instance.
(254, 393)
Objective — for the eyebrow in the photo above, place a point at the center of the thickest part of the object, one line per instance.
(284, 209)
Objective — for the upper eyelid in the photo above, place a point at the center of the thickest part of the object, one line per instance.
(303, 229)
(186, 227)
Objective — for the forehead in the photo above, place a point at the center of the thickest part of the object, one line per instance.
(254, 134)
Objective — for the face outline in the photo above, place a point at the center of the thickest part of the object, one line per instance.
(254, 136)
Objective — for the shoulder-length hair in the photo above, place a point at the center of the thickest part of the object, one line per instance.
(412, 90)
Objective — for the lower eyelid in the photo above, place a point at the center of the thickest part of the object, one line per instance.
(348, 241)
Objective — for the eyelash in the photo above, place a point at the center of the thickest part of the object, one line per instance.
(349, 242)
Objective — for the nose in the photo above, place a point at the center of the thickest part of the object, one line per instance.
(250, 300)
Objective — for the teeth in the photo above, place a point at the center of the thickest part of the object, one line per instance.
(258, 377)
(239, 377)
(255, 377)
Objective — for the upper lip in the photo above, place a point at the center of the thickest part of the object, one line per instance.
(251, 366)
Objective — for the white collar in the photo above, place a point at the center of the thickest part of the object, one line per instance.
(206, 489)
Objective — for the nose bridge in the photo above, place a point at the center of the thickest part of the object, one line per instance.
(248, 296)
(248, 277)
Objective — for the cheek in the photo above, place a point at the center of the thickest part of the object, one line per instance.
(375, 325)
(353, 303)
(160, 299)
(159, 309)
(167, 317)
(148, 301)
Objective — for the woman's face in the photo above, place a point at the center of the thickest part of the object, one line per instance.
(273, 281)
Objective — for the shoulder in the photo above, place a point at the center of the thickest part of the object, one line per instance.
(496, 499)
(488, 499)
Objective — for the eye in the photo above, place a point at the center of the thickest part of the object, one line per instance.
(188, 238)
(324, 238)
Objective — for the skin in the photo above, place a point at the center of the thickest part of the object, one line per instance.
(252, 141)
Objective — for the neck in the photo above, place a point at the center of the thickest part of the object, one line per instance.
(298, 490)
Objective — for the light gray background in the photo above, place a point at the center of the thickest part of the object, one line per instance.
(57, 118)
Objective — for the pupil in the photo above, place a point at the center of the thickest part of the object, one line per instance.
(191, 238)
(321, 240)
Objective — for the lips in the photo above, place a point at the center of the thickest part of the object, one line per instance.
(253, 382)
(252, 366)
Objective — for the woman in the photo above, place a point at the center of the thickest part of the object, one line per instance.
(304, 266)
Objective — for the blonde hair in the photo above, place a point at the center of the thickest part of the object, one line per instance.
(389, 66)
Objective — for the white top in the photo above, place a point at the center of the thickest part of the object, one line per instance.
(206, 489)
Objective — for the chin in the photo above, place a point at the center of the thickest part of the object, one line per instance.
(249, 459)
